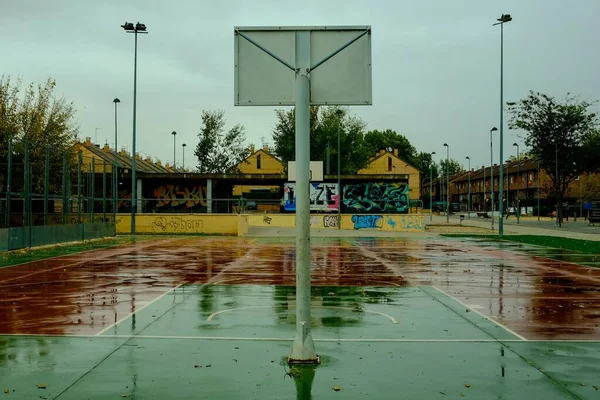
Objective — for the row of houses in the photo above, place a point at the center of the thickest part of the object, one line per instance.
(524, 182)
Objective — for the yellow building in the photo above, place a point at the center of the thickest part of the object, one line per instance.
(389, 163)
(259, 161)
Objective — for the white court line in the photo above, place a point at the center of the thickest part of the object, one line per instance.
(230, 338)
(211, 316)
(474, 306)
(138, 310)
(483, 315)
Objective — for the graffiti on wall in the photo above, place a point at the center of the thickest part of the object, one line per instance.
(323, 196)
(367, 221)
(385, 198)
(176, 225)
(180, 196)
(330, 221)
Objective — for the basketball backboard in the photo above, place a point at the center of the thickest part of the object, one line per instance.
(316, 171)
(265, 65)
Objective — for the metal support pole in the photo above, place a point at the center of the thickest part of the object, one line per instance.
(447, 182)
(492, 181)
(93, 190)
(115, 168)
(79, 161)
(133, 160)
(339, 180)
(501, 183)
(518, 184)
(484, 188)
(46, 184)
(557, 183)
(430, 192)
(104, 191)
(303, 349)
(64, 188)
(27, 197)
(9, 183)
(539, 183)
(469, 198)
(328, 159)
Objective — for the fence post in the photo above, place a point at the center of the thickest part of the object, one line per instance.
(93, 189)
(9, 182)
(64, 188)
(46, 183)
(104, 191)
(79, 161)
(27, 197)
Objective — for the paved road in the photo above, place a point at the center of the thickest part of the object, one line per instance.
(579, 229)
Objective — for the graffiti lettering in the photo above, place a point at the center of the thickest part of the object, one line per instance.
(173, 195)
(391, 222)
(367, 221)
(177, 224)
(330, 221)
(267, 220)
(376, 197)
(323, 196)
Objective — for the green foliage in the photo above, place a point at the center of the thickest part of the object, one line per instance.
(451, 166)
(36, 115)
(376, 140)
(219, 152)
(563, 134)
(325, 123)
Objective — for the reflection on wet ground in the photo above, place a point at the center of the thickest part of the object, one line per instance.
(538, 293)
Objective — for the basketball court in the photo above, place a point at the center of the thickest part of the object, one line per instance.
(214, 317)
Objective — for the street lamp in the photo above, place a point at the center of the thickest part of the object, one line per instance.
(431, 187)
(494, 129)
(115, 167)
(518, 182)
(183, 159)
(339, 113)
(538, 188)
(447, 182)
(174, 136)
(501, 21)
(469, 198)
(483, 166)
(135, 29)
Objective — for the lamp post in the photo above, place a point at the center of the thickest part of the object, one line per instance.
(494, 129)
(174, 136)
(556, 182)
(501, 21)
(539, 183)
(115, 167)
(183, 156)
(431, 187)
(518, 182)
(469, 198)
(339, 113)
(135, 29)
(447, 182)
(483, 166)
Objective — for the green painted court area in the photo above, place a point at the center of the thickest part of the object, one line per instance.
(202, 338)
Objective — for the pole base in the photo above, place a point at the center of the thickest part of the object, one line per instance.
(303, 349)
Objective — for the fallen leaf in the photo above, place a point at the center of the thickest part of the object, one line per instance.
(209, 365)
(467, 385)
(331, 293)
(123, 395)
(197, 366)
(595, 387)
(6, 390)
(41, 386)
(337, 388)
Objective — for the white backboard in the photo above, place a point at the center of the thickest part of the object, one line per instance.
(316, 171)
(263, 80)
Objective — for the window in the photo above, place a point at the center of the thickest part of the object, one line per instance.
(258, 161)
(389, 163)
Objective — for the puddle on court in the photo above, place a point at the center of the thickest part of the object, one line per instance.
(536, 296)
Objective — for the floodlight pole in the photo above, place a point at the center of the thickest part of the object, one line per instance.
(303, 349)
(447, 182)
(469, 198)
(518, 183)
(494, 129)
(431, 187)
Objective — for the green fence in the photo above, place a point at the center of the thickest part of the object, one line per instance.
(24, 237)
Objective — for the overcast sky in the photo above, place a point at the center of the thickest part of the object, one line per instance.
(436, 64)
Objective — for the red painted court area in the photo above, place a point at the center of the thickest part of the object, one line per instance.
(521, 287)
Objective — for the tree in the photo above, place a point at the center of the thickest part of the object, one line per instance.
(524, 155)
(452, 166)
(325, 123)
(376, 140)
(35, 115)
(219, 152)
(563, 134)
(424, 162)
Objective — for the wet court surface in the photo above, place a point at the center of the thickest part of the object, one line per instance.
(215, 318)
